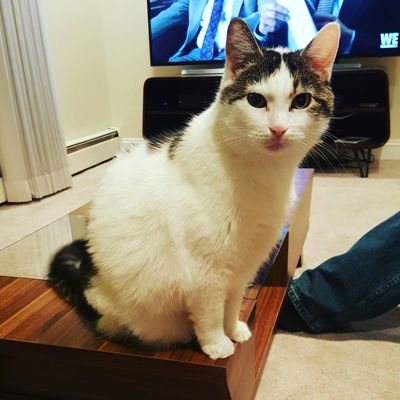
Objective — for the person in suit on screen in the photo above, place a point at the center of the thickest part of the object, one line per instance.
(362, 22)
(207, 23)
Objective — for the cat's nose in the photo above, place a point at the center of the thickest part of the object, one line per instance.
(277, 131)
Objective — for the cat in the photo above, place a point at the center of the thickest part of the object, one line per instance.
(179, 227)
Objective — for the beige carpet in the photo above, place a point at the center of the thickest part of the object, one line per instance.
(364, 364)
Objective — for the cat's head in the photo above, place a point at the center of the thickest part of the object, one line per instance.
(275, 101)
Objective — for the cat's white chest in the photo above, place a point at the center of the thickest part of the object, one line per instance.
(233, 237)
(252, 237)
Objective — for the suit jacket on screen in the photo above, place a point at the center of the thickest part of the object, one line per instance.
(191, 11)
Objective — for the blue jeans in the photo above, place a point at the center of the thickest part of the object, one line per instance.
(360, 284)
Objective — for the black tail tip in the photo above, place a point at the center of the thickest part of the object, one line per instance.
(66, 264)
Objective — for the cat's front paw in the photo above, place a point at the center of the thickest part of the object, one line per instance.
(221, 348)
(240, 333)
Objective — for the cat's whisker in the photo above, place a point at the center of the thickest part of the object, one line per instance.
(319, 156)
(318, 150)
(325, 146)
(311, 154)
(313, 149)
(230, 141)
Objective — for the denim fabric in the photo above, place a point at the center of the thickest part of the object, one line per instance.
(360, 284)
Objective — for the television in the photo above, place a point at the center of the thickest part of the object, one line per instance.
(185, 32)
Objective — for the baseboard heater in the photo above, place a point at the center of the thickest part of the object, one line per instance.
(91, 150)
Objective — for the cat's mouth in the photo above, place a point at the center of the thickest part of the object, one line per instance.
(275, 144)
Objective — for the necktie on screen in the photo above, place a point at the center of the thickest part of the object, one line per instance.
(325, 6)
(207, 50)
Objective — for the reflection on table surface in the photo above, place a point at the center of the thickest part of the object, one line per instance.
(30, 256)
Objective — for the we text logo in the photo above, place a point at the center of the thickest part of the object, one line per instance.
(389, 40)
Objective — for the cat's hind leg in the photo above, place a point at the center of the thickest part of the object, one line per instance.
(165, 330)
(108, 326)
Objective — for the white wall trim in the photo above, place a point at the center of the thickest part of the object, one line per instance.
(390, 151)
(88, 138)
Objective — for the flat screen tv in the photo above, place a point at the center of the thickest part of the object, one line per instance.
(184, 32)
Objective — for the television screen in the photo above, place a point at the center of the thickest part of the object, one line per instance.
(194, 31)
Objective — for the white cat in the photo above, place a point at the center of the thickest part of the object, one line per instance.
(178, 228)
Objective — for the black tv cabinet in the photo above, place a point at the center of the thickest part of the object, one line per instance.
(361, 110)
(170, 102)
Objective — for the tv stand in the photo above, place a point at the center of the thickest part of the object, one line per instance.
(346, 66)
(361, 121)
(202, 71)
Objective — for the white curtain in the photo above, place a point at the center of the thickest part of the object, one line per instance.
(33, 159)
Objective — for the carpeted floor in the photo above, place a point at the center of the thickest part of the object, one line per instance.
(364, 363)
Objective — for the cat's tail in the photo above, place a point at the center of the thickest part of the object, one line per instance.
(70, 273)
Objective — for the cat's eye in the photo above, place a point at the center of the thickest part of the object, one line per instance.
(302, 100)
(256, 100)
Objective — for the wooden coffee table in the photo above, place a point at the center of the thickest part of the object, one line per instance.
(48, 352)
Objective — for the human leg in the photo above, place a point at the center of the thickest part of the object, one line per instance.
(360, 284)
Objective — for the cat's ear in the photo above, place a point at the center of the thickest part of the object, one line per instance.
(240, 43)
(321, 51)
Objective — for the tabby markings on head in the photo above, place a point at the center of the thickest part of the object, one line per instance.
(310, 81)
(257, 69)
(254, 70)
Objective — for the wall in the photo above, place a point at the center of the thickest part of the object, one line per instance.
(77, 58)
(128, 61)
